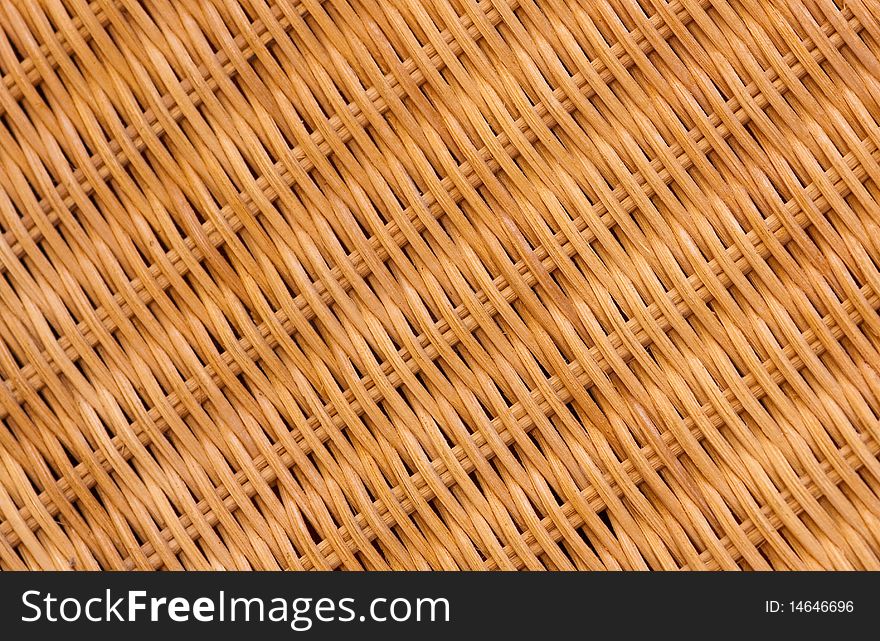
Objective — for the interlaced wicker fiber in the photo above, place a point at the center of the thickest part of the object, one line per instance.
(483, 284)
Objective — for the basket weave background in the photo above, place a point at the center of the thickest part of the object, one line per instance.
(439, 284)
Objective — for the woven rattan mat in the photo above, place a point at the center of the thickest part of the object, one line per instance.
(407, 284)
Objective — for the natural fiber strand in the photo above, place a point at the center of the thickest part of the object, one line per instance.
(439, 284)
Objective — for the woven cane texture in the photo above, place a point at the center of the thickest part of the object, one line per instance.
(452, 284)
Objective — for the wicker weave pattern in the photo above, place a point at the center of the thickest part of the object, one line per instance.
(408, 284)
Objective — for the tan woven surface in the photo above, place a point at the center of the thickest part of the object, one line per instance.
(407, 284)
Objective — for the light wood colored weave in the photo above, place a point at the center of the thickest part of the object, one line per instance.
(408, 284)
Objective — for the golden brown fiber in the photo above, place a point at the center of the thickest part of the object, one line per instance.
(478, 284)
